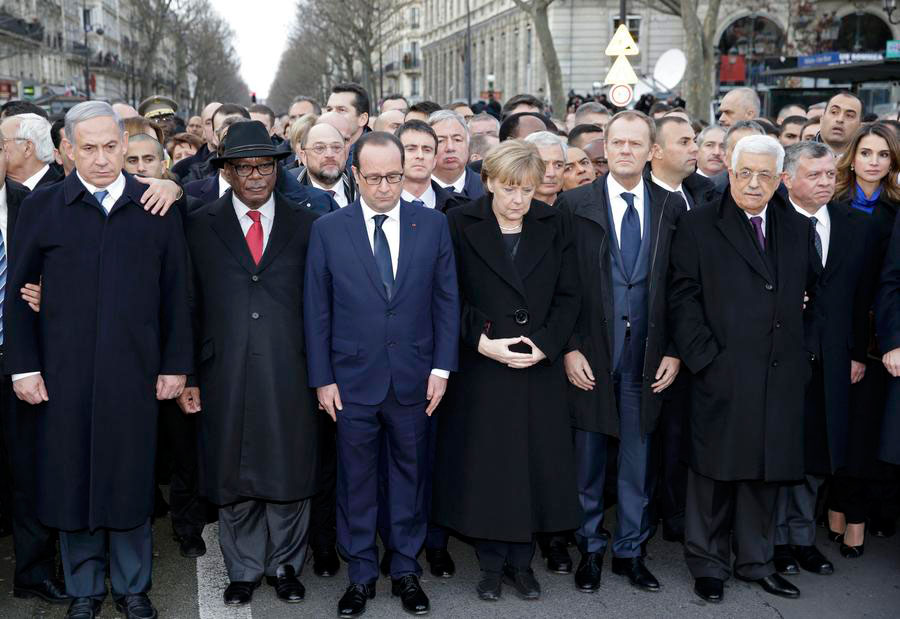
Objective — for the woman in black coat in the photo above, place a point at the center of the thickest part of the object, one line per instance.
(504, 462)
(867, 183)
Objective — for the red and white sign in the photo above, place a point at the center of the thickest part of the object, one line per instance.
(621, 95)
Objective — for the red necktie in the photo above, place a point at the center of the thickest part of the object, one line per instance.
(255, 236)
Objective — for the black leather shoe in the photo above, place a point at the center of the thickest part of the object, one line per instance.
(882, 527)
(785, 563)
(353, 602)
(136, 606)
(408, 589)
(523, 581)
(51, 590)
(557, 555)
(191, 546)
(811, 560)
(776, 585)
(84, 608)
(637, 573)
(385, 565)
(326, 563)
(239, 592)
(440, 562)
(709, 589)
(587, 576)
(489, 586)
(288, 587)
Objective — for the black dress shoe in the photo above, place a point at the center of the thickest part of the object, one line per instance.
(353, 602)
(852, 552)
(489, 586)
(239, 592)
(587, 576)
(776, 585)
(834, 536)
(785, 563)
(523, 581)
(440, 562)
(136, 606)
(84, 608)
(637, 573)
(811, 560)
(882, 527)
(326, 563)
(709, 589)
(385, 565)
(413, 599)
(557, 555)
(51, 590)
(288, 587)
(191, 546)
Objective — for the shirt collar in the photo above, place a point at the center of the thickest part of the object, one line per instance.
(428, 196)
(368, 213)
(762, 214)
(223, 185)
(338, 188)
(115, 188)
(615, 189)
(821, 214)
(3, 202)
(458, 185)
(32, 180)
(266, 210)
(662, 184)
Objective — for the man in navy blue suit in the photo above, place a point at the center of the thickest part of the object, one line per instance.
(381, 315)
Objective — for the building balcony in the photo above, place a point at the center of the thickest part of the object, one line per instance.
(392, 68)
(412, 63)
(11, 24)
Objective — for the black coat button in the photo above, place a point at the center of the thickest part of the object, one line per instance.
(774, 364)
(778, 325)
(770, 287)
(254, 278)
(521, 316)
(255, 315)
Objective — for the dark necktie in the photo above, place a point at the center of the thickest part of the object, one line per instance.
(255, 236)
(100, 196)
(757, 222)
(630, 244)
(2, 284)
(417, 203)
(383, 255)
(817, 240)
(330, 192)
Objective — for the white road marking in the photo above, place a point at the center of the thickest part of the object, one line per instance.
(212, 580)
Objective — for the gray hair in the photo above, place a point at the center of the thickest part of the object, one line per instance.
(743, 125)
(748, 97)
(804, 150)
(701, 137)
(88, 110)
(36, 130)
(590, 107)
(759, 145)
(482, 116)
(442, 115)
(546, 138)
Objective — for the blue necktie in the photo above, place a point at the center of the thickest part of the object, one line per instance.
(2, 284)
(383, 255)
(100, 196)
(417, 203)
(630, 243)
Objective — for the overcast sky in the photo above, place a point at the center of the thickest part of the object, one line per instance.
(261, 28)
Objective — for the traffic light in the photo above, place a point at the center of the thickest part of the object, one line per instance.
(252, 97)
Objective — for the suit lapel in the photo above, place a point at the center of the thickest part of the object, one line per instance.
(358, 235)
(484, 237)
(284, 227)
(226, 226)
(537, 238)
(838, 238)
(731, 226)
(407, 244)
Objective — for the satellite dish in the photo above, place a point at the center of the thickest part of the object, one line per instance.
(641, 89)
(670, 68)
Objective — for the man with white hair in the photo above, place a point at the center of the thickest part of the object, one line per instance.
(451, 171)
(739, 271)
(554, 151)
(29, 150)
(738, 104)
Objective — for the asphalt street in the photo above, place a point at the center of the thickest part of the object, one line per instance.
(192, 589)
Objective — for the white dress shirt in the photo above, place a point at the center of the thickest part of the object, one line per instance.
(679, 189)
(339, 196)
(457, 186)
(223, 185)
(762, 214)
(4, 216)
(823, 226)
(391, 229)
(429, 197)
(618, 205)
(114, 190)
(267, 211)
(32, 181)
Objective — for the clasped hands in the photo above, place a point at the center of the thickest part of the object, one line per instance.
(499, 351)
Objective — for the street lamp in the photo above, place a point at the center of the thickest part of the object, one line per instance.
(889, 7)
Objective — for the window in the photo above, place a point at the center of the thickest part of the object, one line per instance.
(414, 87)
(634, 26)
(414, 17)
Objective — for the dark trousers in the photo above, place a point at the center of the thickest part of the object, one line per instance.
(634, 481)
(670, 447)
(84, 559)
(359, 430)
(725, 514)
(177, 462)
(323, 517)
(34, 544)
(493, 555)
(257, 537)
(861, 498)
(795, 512)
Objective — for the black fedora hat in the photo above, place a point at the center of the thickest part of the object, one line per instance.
(247, 139)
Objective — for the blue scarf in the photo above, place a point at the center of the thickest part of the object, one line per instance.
(864, 204)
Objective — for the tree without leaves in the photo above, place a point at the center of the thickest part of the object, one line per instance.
(537, 10)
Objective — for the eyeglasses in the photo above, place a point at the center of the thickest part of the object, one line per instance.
(245, 169)
(763, 177)
(375, 179)
(320, 149)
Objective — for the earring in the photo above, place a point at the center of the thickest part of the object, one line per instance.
(852, 169)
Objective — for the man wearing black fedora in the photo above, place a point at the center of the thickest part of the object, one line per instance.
(259, 423)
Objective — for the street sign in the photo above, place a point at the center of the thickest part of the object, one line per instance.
(621, 95)
(893, 49)
(622, 43)
(621, 72)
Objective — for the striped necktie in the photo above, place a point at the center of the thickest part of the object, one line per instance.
(2, 284)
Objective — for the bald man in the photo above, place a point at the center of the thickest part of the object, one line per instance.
(124, 110)
(346, 128)
(738, 104)
(324, 155)
(389, 121)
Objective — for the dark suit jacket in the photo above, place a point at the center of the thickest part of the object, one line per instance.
(50, 176)
(350, 190)
(182, 169)
(445, 199)
(597, 411)
(356, 336)
(205, 190)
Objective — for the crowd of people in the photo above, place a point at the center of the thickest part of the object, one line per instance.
(329, 327)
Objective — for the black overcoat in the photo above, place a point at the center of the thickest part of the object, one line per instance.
(504, 462)
(259, 421)
(737, 322)
(596, 410)
(114, 315)
(888, 324)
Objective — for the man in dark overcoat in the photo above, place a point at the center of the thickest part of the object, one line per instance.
(739, 270)
(887, 316)
(258, 428)
(113, 336)
(618, 362)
